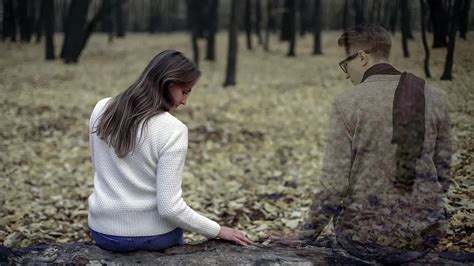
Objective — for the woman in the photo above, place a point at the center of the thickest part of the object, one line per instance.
(138, 151)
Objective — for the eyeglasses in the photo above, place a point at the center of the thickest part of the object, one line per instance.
(343, 63)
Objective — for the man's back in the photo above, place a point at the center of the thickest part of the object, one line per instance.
(360, 166)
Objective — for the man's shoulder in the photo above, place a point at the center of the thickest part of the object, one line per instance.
(434, 92)
(435, 97)
(353, 94)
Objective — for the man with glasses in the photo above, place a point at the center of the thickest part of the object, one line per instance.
(386, 167)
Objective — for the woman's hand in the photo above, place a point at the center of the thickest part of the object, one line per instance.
(236, 236)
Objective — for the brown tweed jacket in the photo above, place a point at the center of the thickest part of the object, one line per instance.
(359, 170)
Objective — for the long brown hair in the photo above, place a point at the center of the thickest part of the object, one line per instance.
(148, 96)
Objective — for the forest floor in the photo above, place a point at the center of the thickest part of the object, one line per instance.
(255, 150)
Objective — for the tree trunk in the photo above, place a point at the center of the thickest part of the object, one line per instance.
(438, 19)
(359, 6)
(193, 11)
(404, 7)
(285, 21)
(426, 62)
(394, 16)
(119, 19)
(233, 45)
(345, 22)
(74, 30)
(258, 20)
(448, 67)
(345, 16)
(303, 6)
(292, 25)
(26, 19)
(108, 18)
(38, 20)
(64, 18)
(154, 17)
(211, 37)
(378, 19)
(407, 18)
(9, 20)
(248, 24)
(47, 12)
(372, 13)
(464, 19)
(317, 27)
(386, 15)
(270, 25)
(90, 28)
(323, 251)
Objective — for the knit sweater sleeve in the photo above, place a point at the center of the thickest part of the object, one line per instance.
(169, 194)
(334, 177)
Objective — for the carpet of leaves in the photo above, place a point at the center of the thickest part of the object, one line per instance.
(255, 149)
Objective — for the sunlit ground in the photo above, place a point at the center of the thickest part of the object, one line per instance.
(255, 149)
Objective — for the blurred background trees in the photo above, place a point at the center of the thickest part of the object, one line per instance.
(290, 19)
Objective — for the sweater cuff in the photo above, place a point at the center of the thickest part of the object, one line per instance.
(214, 229)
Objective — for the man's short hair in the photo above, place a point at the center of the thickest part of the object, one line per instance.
(368, 37)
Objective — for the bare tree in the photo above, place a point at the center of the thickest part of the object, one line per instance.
(378, 18)
(292, 24)
(90, 27)
(359, 6)
(345, 16)
(285, 21)
(233, 45)
(269, 25)
(26, 18)
(258, 20)
(108, 18)
(407, 18)
(394, 15)
(119, 17)
(439, 21)
(303, 7)
(385, 18)
(317, 27)
(74, 30)
(405, 30)
(373, 12)
(211, 36)
(78, 31)
(47, 12)
(464, 19)
(154, 16)
(9, 20)
(423, 37)
(248, 23)
(448, 67)
(193, 11)
(38, 20)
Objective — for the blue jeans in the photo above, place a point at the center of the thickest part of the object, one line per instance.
(132, 243)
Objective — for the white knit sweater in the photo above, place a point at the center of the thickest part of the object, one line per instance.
(140, 194)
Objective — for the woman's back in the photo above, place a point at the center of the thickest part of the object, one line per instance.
(127, 191)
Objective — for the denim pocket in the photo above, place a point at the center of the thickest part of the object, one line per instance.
(156, 243)
(164, 241)
(106, 242)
